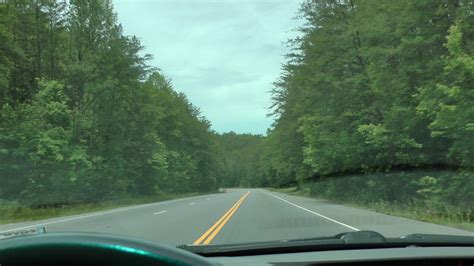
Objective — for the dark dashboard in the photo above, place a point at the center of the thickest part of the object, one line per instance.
(102, 249)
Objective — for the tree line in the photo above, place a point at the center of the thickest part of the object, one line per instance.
(369, 86)
(373, 87)
(84, 118)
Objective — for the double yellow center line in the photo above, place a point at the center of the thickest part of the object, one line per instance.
(209, 235)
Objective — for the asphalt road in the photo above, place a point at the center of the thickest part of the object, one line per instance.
(238, 216)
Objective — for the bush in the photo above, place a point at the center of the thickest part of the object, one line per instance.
(431, 194)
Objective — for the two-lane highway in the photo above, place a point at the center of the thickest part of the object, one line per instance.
(238, 216)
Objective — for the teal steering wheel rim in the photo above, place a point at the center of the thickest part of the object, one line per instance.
(44, 247)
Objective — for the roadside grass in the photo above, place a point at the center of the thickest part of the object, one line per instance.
(412, 212)
(294, 191)
(12, 212)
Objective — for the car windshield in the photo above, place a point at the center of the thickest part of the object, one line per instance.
(214, 122)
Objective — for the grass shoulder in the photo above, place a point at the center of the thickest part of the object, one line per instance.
(411, 211)
(294, 191)
(13, 212)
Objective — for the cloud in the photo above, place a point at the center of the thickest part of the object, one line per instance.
(223, 54)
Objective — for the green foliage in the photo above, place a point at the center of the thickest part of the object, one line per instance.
(84, 119)
(240, 158)
(438, 194)
(450, 102)
(370, 86)
(375, 86)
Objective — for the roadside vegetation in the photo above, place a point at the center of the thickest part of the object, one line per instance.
(84, 119)
(372, 90)
(422, 195)
(14, 212)
(374, 107)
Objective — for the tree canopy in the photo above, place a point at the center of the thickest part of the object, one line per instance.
(375, 85)
(369, 86)
(84, 118)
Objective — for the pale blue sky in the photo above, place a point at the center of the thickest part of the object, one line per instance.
(223, 54)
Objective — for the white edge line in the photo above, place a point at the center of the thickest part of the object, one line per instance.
(315, 213)
(62, 220)
(156, 213)
(94, 214)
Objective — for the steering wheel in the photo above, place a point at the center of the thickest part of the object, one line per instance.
(91, 249)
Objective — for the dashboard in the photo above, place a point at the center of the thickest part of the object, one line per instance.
(459, 256)
(103, 249)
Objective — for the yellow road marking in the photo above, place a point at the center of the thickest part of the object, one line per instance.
(209, 235)
(200, 239)
(215, 232)
(208, 232)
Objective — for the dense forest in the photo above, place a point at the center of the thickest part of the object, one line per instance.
(369, 87)
(240, 159)
(84, 118)
(378, 87)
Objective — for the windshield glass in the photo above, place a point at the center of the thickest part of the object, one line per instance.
(236, 121)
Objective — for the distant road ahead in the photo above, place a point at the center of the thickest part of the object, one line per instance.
(238, 216)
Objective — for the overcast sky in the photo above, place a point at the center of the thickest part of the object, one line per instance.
(223, 54)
